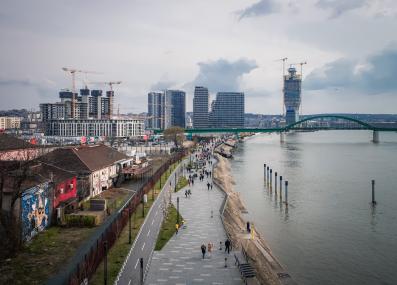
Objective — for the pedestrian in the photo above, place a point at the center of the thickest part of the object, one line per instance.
(211, 186)
(210, 246)
(208, 185)
(248, 227)
(186, 193)
(227, 246)
(203, 250)
(176, 228)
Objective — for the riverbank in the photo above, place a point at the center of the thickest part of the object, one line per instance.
(269, 270)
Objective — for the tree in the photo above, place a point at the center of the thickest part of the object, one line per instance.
(175, 134)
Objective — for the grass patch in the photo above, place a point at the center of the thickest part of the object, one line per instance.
(167, 228)
(42, 258)
(182, 182)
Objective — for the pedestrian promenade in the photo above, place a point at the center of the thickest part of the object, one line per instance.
(180, 261)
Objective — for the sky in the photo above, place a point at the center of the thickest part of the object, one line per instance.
(350, 47)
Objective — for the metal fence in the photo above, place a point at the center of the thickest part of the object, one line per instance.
(88, 257)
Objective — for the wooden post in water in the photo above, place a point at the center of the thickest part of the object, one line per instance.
(286, 193)
(281, 188)
(271, 177)
(264, 171)
(275, 182)
(267, 173)
(373, 193)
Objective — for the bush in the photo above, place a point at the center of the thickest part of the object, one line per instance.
(80, 221)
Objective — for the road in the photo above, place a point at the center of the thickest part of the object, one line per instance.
(145, 241)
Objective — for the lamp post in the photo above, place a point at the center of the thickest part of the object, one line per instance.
(129, 225)
(105, 263)
(177, 210)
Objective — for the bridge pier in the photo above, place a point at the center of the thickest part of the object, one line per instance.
(375, 136)
(282, 137)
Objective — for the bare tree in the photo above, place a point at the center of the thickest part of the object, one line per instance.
(175, 134)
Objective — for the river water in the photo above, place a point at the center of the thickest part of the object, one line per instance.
(330, 234)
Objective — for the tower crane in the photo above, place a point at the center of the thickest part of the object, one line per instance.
(73, 72)
(284, 59)
(301, 64)
(110, 83)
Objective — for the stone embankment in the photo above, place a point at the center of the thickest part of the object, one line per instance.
(269, 270)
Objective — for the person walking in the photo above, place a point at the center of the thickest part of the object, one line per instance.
(186, 193)
(203, 250)
(176, 228)
(208, 185)
(248, 227)
(209, 247)
(211, 186)
(227, 246)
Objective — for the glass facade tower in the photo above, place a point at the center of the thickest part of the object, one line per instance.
(292, 95)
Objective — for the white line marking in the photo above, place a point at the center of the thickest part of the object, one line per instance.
(152, 222)
(148, 233)
(143, 246)
(129, 282)
(136, 264)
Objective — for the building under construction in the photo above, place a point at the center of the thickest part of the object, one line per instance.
(292, 95)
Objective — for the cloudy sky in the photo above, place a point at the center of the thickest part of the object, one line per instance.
(228, 45)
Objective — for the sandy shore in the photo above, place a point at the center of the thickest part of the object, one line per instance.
(264, 262)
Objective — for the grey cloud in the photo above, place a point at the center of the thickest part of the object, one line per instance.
(338, 7)
(261, 8)
(223, 75)
(375, 77)
(162, 85)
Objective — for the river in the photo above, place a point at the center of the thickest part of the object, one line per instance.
(330, 234)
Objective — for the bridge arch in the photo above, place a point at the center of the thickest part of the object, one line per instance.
(364, 124)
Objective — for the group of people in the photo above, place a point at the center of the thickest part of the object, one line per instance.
(210, 246)
(188, 192)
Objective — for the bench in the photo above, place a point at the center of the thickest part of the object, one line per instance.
(246, 269)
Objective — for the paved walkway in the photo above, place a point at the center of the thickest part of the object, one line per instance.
(180, 261)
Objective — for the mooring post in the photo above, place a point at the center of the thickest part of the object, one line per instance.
(264, 171)
(271, 177)
(267, 173)
(286, 193)
(281, 187)
(275, 182)
(375, 136)
(373, 193)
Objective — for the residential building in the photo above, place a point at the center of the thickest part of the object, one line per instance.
(96, 167)
(42, 188)
(166, 108)
(10, 123)
(156, 110)
(178, 110)
(200, 108)
(119, 128)
(227, 110)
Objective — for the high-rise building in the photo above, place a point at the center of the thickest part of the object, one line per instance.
(156, 110)
(200, 108)
(166, 109)
(10, 123)
(292, 95)
(178, 109)
(227, 110)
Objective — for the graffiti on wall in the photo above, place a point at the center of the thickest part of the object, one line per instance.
(35, 214)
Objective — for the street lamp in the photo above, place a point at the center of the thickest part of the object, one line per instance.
(177, 210)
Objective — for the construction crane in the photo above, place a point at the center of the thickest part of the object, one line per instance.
(301, 64)
(73, 72)
(284, 59)
(110, 83)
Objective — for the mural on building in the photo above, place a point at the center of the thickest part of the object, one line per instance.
(35, 214)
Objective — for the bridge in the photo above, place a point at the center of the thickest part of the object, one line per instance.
(354, 124)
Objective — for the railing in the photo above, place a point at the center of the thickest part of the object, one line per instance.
(84, 264)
